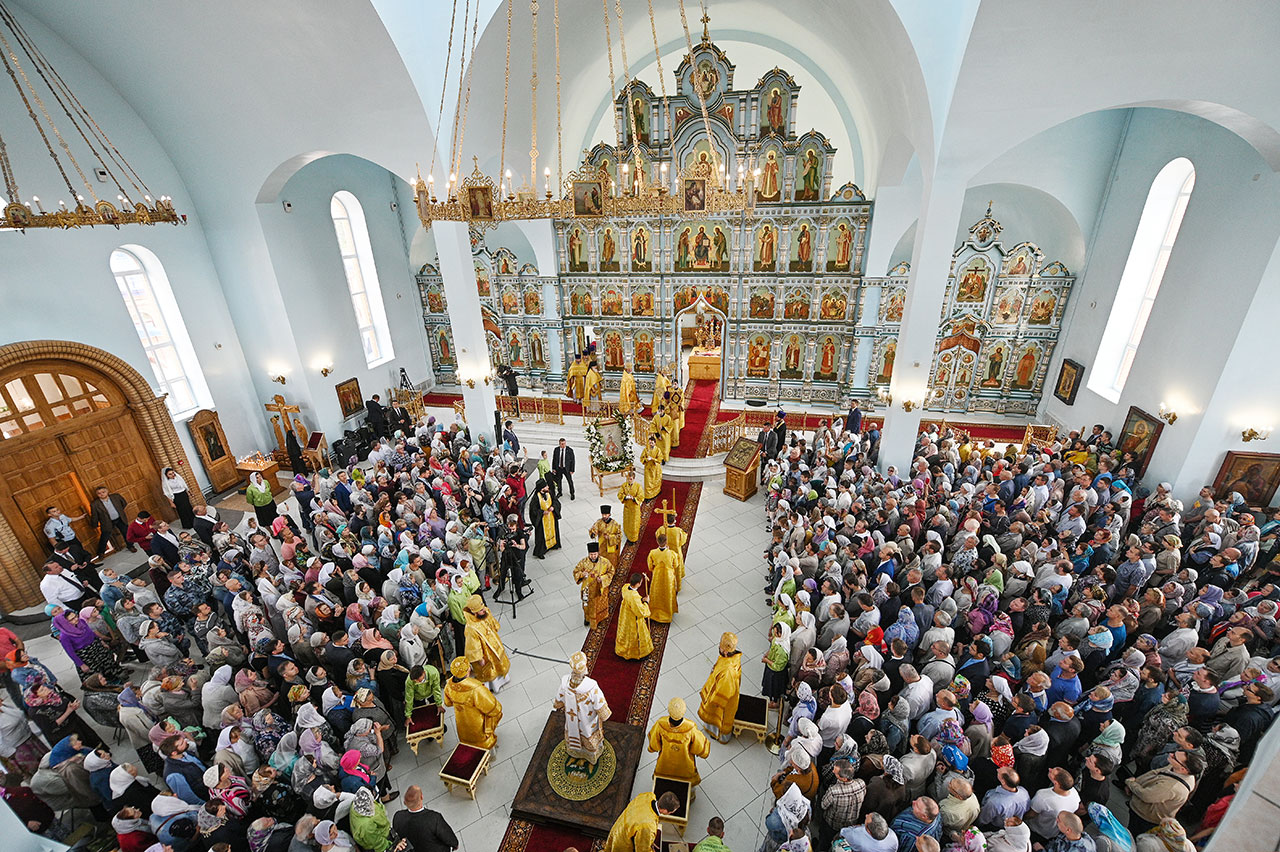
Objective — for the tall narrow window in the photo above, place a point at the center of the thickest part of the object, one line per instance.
(362, 277)
(1143, 272)
(145, 289)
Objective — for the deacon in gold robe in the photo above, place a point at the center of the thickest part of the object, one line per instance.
(484, 649)
(593, 384)
(476, 712)
(594, 575)
(677, 401)
(660, 385)
(585, 711)
(673, 412)
(651, 458)
(676, 538)
(678, 742)
(721, 691)
(662, 425)
(634, 641)
(574, 378)
(632, 495)
(662, 569)
(636, 829)
(628, 398)
(608, 532)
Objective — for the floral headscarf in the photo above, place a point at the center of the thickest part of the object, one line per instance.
(1002, 755)
(960, 687)
(868, 704)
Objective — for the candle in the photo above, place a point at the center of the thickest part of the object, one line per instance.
(39, 206)
(546, 180)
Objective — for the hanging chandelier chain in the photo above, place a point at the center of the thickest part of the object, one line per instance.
(533, 103)
(657, 55)
(466, 106)
(444, 84)
(506, 91)
(11, 60)
(716, 165)
(613, 89)
(80, 117)
(559, 134)
(457, 109)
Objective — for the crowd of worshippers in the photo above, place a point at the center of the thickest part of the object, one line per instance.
(1008, 651)
(264, 673)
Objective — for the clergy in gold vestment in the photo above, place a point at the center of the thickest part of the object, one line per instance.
(574, 378)
(660, 385)
(594, 575)
(628, 398)
(678, 742)
(651, 458)
(662, 425)
(636, 829)
(484, 651)
(721, 691)
(632, 495)
(677, 401)
(634, 641)
(608, 533)
(585, 711)
(592, 384)
(662, 570)
(676, 538)
(476, 712)
(674, 413)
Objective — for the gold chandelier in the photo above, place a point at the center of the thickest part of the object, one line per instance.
(482, 202)
(134, 204)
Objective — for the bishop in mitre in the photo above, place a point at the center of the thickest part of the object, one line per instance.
(594, 576)
(585, 711)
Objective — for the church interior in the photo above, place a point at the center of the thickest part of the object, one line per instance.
(893, 345)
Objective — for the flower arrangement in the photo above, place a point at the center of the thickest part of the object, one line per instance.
(609, 442)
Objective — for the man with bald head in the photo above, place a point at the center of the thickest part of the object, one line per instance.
(425, 829)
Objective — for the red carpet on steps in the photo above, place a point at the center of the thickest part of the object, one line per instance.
(702, 395)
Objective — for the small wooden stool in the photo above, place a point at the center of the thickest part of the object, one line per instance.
(752, 715)
(683, 791)
(426, 723)
(464, 768)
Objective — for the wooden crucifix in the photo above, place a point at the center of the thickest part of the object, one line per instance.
(280, 410)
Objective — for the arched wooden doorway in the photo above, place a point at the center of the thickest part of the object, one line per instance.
(73, 417)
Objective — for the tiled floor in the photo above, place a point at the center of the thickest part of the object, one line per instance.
(722, 591)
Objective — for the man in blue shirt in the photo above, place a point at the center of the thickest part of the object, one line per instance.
(1066, 684)
(923, 817)
(57, 528)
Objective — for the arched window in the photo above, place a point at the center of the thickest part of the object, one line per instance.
(362, 277)
(1143, 272)
(149, 299)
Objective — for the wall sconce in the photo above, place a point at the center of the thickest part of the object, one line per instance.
(325, 371)
(883, 395)
(280, 380)
(1256, 434)
(1167, 414)
(471, 383)
(908, 405)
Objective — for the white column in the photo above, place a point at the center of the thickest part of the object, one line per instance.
(926, 288)
(453, 247)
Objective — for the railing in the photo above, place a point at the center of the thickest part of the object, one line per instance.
(723, 435)
(509, 407)
(460, 409)
(550, 409)
(1038, 435)
(594, 408)
(640, 429)
(757, 420)
(408, 399)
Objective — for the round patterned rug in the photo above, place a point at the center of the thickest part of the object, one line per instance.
(576, 780)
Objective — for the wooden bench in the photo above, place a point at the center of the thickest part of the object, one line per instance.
(464, 768)
(426, 723)
(752, 715)
(683, 791)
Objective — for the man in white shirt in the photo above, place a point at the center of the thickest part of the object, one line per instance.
(62, 589)
(836, 718)
(917, 691)
(1042, 814)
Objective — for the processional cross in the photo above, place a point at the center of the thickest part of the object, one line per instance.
(666, 512)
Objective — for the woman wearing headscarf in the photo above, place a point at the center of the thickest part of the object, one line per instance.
(258, 494)
(217, 695)
(806, 707)
(353, 774)
(887, 791)
(173, 821)
(20, 750)
(177, 701)
(83, 646)
(54, 712)
(905, 628)
(803, 638)
(133, 832)
(155, 643)
(390, 676)
(997, 697)
(1029, 754)
(370, 827)
(366, 738)
(775, 661)
(267, 729)
(837, 658)
(1108, 742)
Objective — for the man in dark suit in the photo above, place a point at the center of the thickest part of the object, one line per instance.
(768, 441)
(853, 420)
(562, 465)
(509, 439)
(165, 544)
(398, 418)
(342, 492)
(425, 829)
(64, 555)
(108, 516)
(377, 415)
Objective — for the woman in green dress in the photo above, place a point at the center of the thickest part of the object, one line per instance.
(261, 499)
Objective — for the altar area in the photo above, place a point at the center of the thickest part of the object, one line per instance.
(701, 332)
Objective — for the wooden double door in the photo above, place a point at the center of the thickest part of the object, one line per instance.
(63, 459)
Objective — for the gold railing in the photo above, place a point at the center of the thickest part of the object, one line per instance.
(640, 429)
(509, 408)
(1038, 435)
(550, 409)
(723, 435)
(598, 408)
(408, 399)
(757, 420)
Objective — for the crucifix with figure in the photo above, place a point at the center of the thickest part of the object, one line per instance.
(280, 410)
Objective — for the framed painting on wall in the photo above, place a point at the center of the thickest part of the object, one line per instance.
(349, 398)
(1139, 436)
(1255, 475)
(1069, 376)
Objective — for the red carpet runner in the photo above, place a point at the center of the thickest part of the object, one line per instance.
(702, 397)
(807, 422)
(626, 684)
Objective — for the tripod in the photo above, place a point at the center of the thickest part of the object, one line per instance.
(509, 584)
